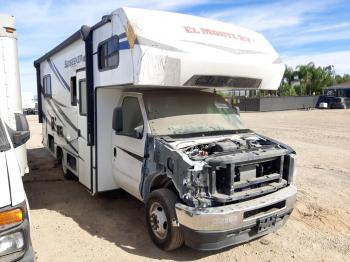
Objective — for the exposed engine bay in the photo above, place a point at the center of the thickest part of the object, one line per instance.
(201, 151)
(227, 169)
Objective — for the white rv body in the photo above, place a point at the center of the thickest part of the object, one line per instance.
(15, 244)
(126, 55)
(10, 99)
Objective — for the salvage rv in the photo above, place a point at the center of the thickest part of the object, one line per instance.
(131, 103)
(15, 243)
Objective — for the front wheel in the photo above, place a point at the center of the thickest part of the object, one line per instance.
(161, 219)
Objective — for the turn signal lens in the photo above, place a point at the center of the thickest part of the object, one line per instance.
(11, 217)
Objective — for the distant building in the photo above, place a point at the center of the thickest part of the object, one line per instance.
(339, 90)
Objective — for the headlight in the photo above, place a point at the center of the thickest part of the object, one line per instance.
(11, 243)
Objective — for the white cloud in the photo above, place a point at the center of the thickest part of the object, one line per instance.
(340, 60)
(272, 16)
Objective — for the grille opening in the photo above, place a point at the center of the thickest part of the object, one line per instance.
(268, 167)
(223, 180)
(263, 210)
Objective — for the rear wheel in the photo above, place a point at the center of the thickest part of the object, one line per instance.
(161, 219)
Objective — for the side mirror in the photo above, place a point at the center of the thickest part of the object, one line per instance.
(238, 110)
(117, 122)
(22, 134)
(20, 137)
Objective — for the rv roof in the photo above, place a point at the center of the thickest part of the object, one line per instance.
(177, 49)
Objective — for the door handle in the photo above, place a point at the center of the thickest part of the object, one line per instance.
(115, 152)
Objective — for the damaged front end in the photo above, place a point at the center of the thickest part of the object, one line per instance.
(233, 188)
(226, 170)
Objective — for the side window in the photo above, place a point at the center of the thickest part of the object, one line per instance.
(82, 97)
(108, 54)
(73, 90)
(47, 90)
(132, 118)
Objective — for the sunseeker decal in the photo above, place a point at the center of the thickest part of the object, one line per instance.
(74, 61)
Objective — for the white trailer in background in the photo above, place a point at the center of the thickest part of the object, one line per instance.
(131, 103)
(15, 244)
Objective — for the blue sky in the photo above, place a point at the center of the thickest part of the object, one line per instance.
(300, 31)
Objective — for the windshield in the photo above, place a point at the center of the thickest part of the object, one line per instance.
(185, 112)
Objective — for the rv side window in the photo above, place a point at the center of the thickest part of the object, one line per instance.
(73, 91)
(108, 54)
(132, 118)
(82, 97)
(47, 86)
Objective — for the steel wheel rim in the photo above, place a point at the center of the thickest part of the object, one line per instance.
(158, 220)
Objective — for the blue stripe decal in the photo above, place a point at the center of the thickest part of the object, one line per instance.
(58, 74)
(54, 71)
(124, 45)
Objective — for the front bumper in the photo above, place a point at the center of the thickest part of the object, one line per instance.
(26, 254)
(218, 227)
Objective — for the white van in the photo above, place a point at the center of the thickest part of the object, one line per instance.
(131, 103)
(15, 243)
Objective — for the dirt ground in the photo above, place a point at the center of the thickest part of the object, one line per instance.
(68, 224)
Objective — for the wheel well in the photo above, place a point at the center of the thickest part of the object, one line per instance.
(163, 181)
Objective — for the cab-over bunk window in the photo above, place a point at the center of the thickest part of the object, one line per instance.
(108, 54)
(47, 89)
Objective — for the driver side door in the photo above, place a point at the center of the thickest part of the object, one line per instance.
(128, 145)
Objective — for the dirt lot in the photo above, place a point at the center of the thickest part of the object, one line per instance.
(70, 225)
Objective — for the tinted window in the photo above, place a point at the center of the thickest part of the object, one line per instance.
(47, 86)
(82, 98)
(108, 54)
(132, 117)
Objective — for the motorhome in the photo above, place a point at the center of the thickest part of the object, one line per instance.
(15, 244)
(132, 103)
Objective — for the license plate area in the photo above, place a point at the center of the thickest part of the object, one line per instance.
(266, 223)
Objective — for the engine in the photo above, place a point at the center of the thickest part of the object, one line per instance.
(240, 169)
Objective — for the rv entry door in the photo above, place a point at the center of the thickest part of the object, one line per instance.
(84, 160)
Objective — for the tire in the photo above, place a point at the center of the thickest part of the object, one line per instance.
(161, 219)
